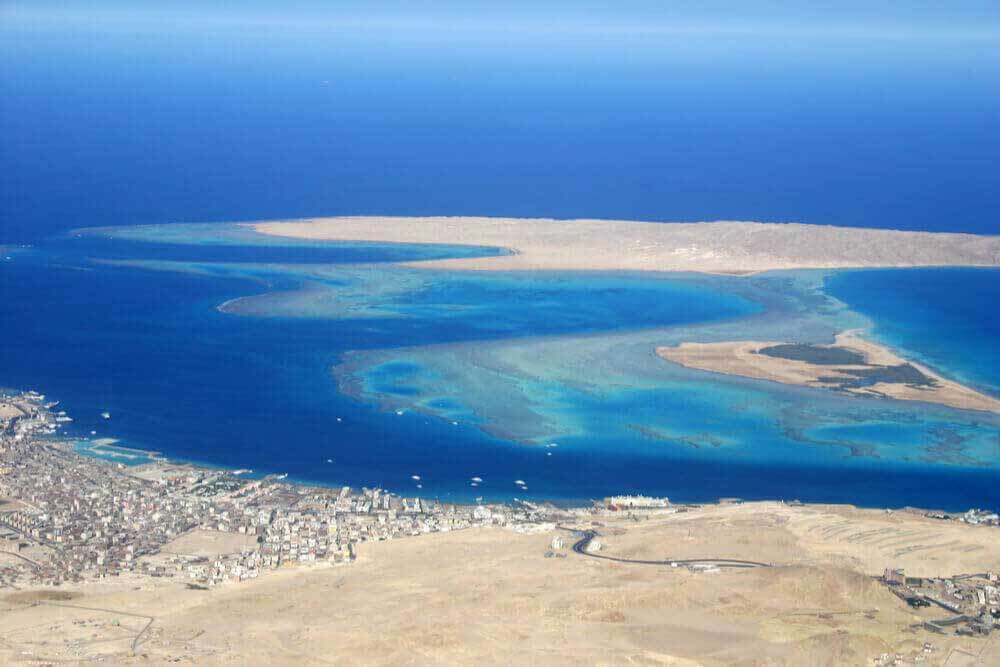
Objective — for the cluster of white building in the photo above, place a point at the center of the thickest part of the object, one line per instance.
(972, 601)
(67, 516)
(981, 517)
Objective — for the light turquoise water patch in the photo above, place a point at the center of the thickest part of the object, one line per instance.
(516, 372)
(609, 388)
(303, 291)
(190, 234)
(458, 374)
(929, 439)
(114, 453)
(243, 235)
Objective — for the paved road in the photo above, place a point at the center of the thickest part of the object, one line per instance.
(580, 547)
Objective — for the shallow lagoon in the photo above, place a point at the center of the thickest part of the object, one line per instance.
(485, 370)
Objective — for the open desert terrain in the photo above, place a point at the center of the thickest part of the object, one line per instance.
(491, 596)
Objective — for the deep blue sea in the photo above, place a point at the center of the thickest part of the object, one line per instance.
(111, 118)
(457, 375)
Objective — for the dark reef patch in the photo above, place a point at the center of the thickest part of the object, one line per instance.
(865, 377)
(815, 354)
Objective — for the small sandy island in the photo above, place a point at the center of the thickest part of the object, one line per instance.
(612, 245)
(851, 365)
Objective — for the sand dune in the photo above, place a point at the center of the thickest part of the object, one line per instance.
(725, 247)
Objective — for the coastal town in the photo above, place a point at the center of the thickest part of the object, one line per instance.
(66, 517)
(971, 601)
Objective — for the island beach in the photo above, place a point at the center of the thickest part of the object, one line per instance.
(709, 247)
(614, 245)
(870, 369)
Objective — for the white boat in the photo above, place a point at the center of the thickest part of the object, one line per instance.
(106, 415)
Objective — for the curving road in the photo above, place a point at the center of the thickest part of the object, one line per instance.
(580, 547)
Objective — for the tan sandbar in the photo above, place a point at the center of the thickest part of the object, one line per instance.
(743, 358)
(615, 245)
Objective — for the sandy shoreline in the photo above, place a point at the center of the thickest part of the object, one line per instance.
(612, 245)
(744, 358)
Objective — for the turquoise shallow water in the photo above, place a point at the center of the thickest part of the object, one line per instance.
(117, 117)
(328, 351)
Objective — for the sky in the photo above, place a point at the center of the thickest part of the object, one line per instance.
(850, 18)
(627, 37)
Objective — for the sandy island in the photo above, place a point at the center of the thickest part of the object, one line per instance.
(709, 247)
(850, 365)
(613, 245)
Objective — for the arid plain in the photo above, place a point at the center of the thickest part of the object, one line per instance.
(490, 596)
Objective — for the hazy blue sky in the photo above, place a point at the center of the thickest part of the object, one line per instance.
(850, 17)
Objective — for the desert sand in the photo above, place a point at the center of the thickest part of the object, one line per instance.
(590, 245)
(490, 596)
(9, 411)
(744, 358)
